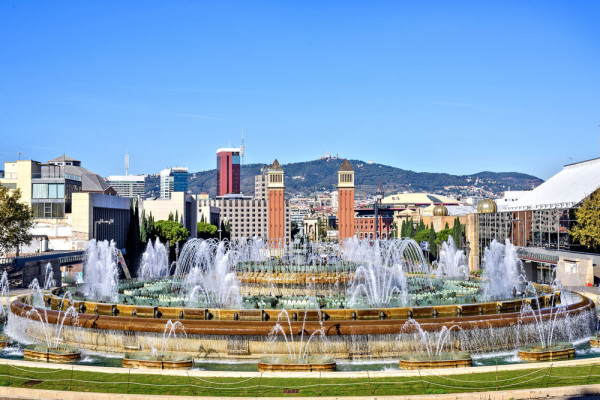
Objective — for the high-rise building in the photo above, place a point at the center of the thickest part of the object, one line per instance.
(228, 171)
(276, 214)
(345, 201)
(173, 180)
(130, 186)
(260, 184)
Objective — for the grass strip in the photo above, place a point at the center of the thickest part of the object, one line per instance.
(428, 383)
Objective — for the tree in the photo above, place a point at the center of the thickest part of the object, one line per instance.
(133, 243)
(422, 236)
(176, 216)
(171, 217)
(150, 228)
(294, 229)
(322, 233)
(403, 229)
(410, 228)
(144, 228)
(442, 236)
(207, 231)
(171, 231)
(587, 228)
(16, 220)
(225, 230)
(432, 237)
(457, 232)
(446, 226)
(421, 226)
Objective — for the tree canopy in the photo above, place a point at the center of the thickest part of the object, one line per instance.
(16, 220)
(207, 231)
(171, 231)
(587, 229)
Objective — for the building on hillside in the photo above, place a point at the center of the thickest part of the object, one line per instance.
(228, 171)
(173, 180)
(131, 186)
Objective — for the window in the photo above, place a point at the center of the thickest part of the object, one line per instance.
(48, 210)
(48, 191)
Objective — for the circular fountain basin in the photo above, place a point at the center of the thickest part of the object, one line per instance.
(4, 340)
(61, 354)
(540, 352)
(288, 363)
(595, 340)
(151, 361)
(443, 360)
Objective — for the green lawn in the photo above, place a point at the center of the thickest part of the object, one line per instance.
(256, 386)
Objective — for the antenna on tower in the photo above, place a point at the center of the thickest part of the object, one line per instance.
(126, 163)
(242, 148)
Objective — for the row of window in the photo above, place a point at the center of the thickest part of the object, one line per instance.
(48, 191)
(48, 210)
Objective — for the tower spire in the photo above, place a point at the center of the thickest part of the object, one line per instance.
(242, 148)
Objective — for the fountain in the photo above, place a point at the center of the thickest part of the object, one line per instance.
(100, 272)
(161, 358)
(155, 261)
(4, 307)
(502, 271)
(231, 296)
(452, 262)
(298, 358)
(53, 350)
(544, 327)
(437, 349)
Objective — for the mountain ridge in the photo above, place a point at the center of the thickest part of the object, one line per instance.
(307, 177)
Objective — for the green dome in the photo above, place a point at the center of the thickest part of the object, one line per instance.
(487, 206)
(440, 211)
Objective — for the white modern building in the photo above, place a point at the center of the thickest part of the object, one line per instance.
(131, 186)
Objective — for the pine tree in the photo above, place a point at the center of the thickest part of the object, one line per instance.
(403, 229)
(176, 216)
(446, 226)
(150, 228)
(144, 230)
(421, 226)
(171, 216)
(432, 236)
(411, 228)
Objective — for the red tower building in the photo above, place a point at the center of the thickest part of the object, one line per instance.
(276, 206)
(345, 201)
(228, 171)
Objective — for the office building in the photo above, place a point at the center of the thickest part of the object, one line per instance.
(173, 180)
(260, 184)
(228, 171)
(131, 186)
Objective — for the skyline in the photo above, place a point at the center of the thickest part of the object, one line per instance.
(511, 86)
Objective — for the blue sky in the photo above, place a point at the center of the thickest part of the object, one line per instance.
(455, 87)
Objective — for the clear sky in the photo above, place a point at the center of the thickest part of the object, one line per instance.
(455, 87)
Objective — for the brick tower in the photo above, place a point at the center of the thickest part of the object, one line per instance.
(276, 205)
(345, 201)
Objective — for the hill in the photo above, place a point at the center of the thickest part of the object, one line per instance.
(304, 178)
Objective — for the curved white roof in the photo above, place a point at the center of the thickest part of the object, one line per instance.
(566, 189)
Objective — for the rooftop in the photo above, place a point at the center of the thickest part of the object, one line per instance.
(566, 189)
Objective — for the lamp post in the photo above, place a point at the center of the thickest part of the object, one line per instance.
(378, 198)
(101, 221)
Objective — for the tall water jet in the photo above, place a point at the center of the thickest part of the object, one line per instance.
(452, 262)
(502, 271)
(155, 261)
(100, 272)
(380, 280)
(205, 276)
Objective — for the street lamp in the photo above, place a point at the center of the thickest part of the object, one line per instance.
(378, 198)
(101, 221)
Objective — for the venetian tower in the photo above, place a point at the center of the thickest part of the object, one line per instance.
(345, 201)
(276, 205)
